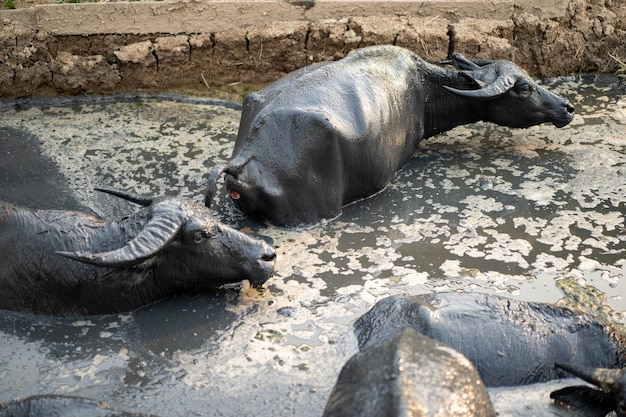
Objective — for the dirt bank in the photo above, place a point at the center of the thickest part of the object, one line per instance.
(36, 58)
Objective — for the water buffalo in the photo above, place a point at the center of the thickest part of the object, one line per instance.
(594, 402)
(71, 263)
(333, 133)
(510, 342)
(66, 406)
(409, 375)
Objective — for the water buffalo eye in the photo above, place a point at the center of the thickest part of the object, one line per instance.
(621, 409)
(525, 89)
(200, 235)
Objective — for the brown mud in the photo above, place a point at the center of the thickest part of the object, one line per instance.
(586, 36)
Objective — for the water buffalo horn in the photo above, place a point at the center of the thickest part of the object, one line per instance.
(607, 379)
(497, 88)
(217, 171)
(157, 233)
(133, 198)
(468, 76)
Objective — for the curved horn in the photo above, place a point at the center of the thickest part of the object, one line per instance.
(134, 198)
(217, 171)
(500, 86)
(162, 228)
(475, 81)
(607, 379)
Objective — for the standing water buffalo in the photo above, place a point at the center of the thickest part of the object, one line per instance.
(70, 263)
(333, 133)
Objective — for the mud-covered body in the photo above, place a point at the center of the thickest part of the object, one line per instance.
(510, 342)
(58, 405)
(333, 133)
(69, 263)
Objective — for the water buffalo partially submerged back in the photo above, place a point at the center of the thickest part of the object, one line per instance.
(330, 134)
(510, 342)
(70, 263)
(594, 402)
(409, 375)
(65, 406)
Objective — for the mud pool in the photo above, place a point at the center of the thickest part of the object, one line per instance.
(536, 214)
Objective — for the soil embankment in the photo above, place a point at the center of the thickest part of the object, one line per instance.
(163, 46)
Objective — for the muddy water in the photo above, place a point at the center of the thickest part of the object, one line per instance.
(536, 214)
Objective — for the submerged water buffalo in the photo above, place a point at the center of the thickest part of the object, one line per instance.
(593, 402)
(333, 133)
(509, 342)
(71, 263)
(58, 405)
(409, 375)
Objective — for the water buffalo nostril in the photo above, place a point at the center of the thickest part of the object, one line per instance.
(268, 257)
(569, 107)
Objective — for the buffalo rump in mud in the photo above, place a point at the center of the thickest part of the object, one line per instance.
(333, 133)
(70, 263)
(409, 375)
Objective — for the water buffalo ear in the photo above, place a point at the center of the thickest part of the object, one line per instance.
(590, 401)
(462, 63)
(167, 219)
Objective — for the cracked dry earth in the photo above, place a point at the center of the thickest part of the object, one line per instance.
(591, 37)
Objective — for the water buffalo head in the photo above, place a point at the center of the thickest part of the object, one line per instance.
(186, 247)
(593, 402)
(511, 98)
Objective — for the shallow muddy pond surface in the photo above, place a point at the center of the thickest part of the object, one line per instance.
(535, 214)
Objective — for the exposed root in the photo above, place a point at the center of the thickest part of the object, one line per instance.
(621, 71)
(204, 81)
